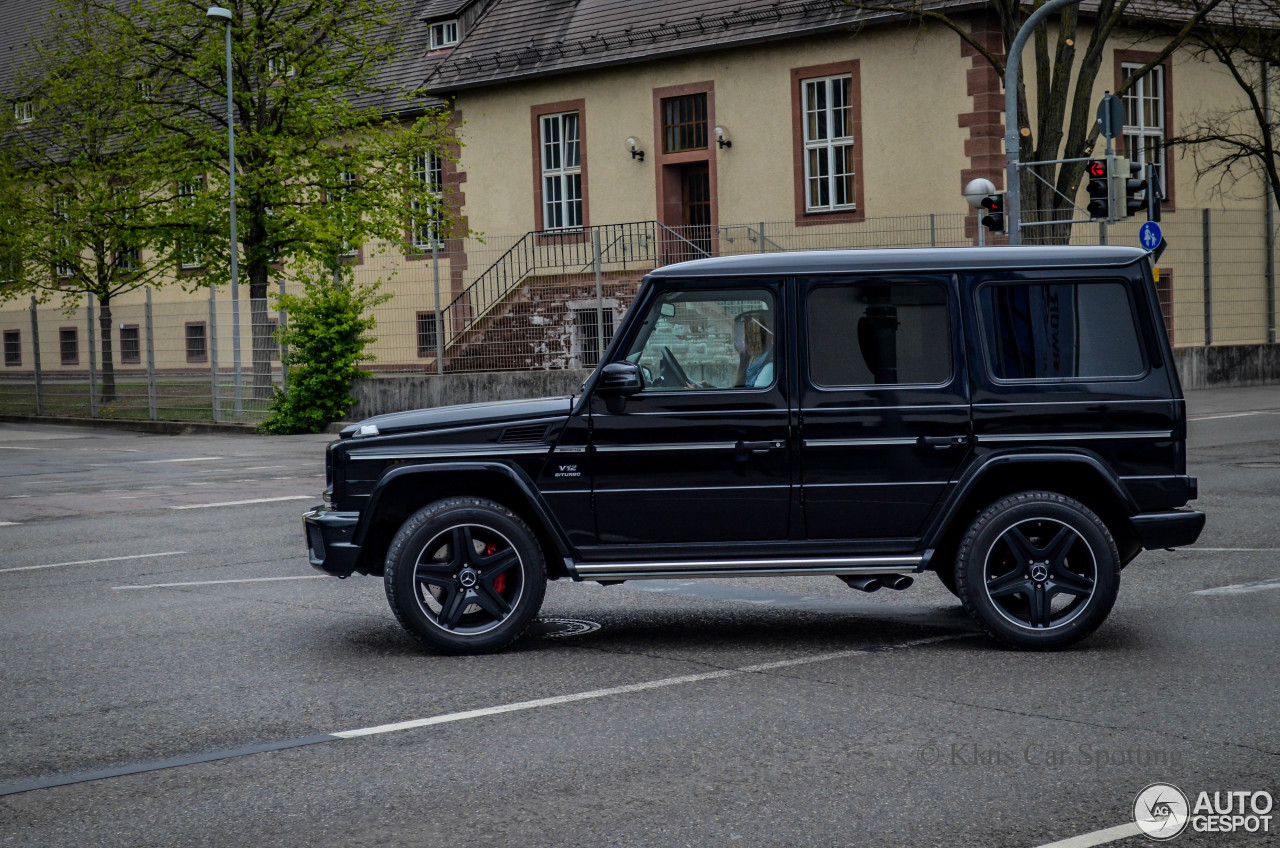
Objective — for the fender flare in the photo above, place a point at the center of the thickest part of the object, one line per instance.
(515, 475)
(976, 474)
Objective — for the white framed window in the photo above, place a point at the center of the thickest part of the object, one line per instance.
(828, 143)
(1144, 124)
(444, 34)
(24, 111)
(65, 267)
(279, 67)
(145, 90)
(561, 171)
(190, 257)
(428, 169)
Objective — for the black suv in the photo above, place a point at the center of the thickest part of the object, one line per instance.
(1008, 418)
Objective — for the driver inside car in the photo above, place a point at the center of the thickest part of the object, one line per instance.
(753, 339)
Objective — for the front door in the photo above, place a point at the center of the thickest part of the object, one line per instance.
(695, 208)
(884, 407)
(702, 454)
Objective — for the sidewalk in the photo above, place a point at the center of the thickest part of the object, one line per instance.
(1234, 399)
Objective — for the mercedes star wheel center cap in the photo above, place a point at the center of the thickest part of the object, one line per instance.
(1039, 572)
(467, 578)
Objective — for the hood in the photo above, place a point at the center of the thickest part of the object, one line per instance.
(463, 415)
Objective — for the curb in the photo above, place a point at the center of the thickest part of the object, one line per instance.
(175, 428)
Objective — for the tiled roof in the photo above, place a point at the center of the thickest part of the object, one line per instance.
(517, 39)
(436, 9)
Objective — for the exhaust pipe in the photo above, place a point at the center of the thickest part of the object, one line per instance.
(866, 584)
(897, 581)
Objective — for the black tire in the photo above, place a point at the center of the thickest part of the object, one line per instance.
(465, 576)
(1038, 571)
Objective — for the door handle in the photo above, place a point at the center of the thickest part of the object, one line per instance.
(942, 442)
(762, 447)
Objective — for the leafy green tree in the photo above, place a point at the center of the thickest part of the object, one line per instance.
(1066, 71)
(85, 178)
(327, 338)
(314, 122)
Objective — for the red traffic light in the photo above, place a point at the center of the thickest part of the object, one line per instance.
(1097, 168)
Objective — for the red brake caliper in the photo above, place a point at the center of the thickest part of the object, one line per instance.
(499, 582)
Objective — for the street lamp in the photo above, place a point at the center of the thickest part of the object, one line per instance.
(218, 13)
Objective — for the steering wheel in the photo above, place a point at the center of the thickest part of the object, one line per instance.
(671, 375)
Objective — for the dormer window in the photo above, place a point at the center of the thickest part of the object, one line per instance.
(24, 111)
(279, 67)
(444, 34)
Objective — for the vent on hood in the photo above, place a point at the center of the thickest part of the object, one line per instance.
(524, 433)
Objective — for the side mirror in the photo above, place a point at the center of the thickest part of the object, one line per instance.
(619, 381)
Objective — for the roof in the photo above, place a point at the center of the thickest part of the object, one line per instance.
(903, 259)
(434, 10)
(519, 39)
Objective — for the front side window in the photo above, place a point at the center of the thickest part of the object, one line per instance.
(697, 340)
(1144, 113)
(879, 331)
(828, 143)
(561, 145)
(1060, 331)
(426, 169)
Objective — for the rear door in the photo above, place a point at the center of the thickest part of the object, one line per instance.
(884, 409)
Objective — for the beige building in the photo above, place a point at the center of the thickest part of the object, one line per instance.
(670, 131)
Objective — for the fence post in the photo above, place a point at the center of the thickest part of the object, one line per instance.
(211, 350)
(152, 411)
(1271, 266)
(93, 359)
(1208, 278)
(35, 355)
(595, 249)
(435, 276)
(284, 348)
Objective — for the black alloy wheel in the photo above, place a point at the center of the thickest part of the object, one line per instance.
(1038, 570)
(465, 575)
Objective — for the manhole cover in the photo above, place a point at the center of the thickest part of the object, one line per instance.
(561, 628)
(1260, 464)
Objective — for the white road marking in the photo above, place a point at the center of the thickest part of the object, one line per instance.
(15, 497)
(9, 523)
(17, 447)
(179, 459)
(262, 467)
(1098, 837)
(1241, 588)
(1232, 550)
(91, 561)
(519, 706)
(251, 501)
(1233, 415)
(217, 582)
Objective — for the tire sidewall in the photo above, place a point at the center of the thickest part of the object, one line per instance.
(430, 522)
(992, 523)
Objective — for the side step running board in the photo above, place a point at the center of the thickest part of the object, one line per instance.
(838, 566)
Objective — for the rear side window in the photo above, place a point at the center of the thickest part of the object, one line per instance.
(880, 331)
(1060, 331)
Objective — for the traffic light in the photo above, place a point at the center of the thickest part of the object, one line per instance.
(1099, 207)
(994, 219)
(1132, 185)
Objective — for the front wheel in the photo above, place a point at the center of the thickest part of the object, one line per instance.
(1038, 570)
(465, 576)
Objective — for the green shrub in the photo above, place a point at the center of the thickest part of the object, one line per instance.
(327, 334)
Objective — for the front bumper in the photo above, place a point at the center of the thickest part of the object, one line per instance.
(1173, 529)
(329, 546)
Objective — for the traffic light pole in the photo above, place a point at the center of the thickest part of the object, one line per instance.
(1013, 189)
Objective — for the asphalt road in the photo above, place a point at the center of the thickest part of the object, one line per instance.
(136, 633)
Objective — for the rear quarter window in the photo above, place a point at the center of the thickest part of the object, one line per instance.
(1060, 331)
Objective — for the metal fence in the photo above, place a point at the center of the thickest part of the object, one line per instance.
(534, 301)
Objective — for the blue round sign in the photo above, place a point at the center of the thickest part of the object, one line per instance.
(1149, 236)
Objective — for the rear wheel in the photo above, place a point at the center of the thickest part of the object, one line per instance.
(465, 575)
(1038, 570)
